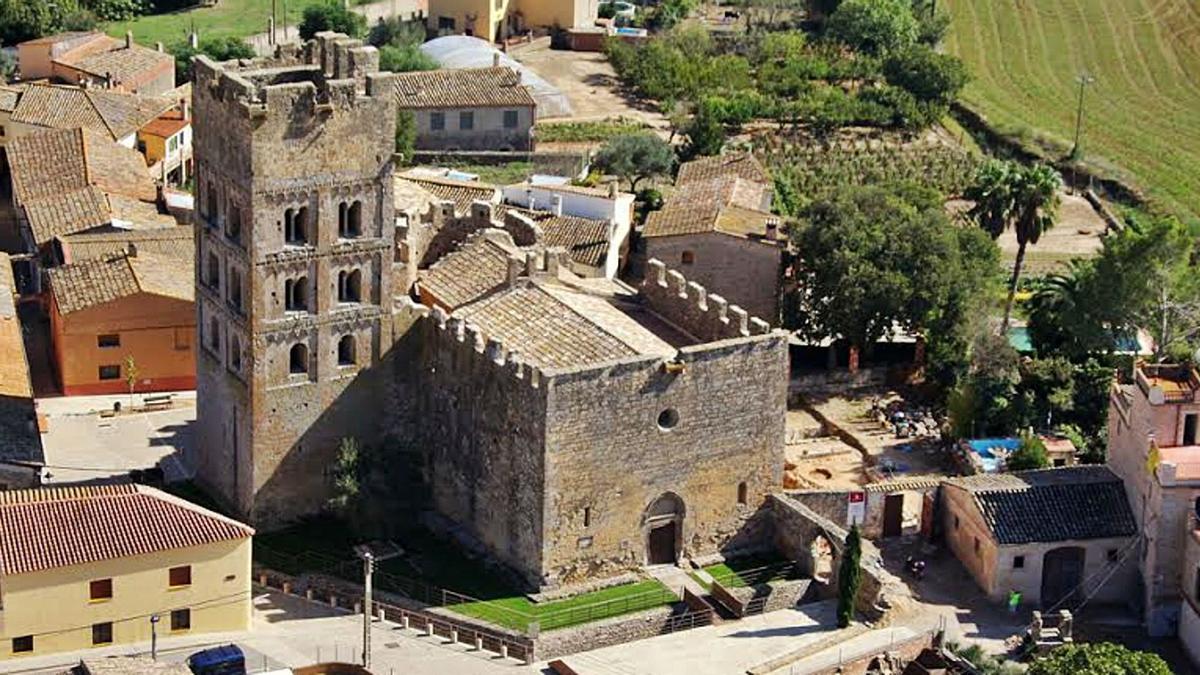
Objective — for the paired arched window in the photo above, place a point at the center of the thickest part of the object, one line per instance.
(233, 222)
(298, 359)
(295, 226)
(347, 351)
(350, 219)
(350, 286)
(214, 335)
(210, 203)
(214, 270)
(235, 288)
(235, 353)
(295, 294)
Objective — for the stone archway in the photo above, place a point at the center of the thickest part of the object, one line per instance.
(821, 554)
(662, 527)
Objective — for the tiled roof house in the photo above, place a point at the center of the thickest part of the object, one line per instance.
(97, 60)
(468, 108)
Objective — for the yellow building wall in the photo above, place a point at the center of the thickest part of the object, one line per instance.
(485, 12)
(157, 332)
(53, 605)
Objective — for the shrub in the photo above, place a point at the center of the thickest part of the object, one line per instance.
(218, 49)
(396, 32)
(1030, 455)
(926, 74)
(334, 16)
(405, 59)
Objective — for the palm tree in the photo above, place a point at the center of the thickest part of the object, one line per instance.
(1023, 198)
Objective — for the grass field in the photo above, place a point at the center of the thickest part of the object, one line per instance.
(236, 18)
(1142, 115)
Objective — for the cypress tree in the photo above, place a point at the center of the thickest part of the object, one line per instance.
(849, 577)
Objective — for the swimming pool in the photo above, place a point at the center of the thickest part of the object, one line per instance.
(982, 447)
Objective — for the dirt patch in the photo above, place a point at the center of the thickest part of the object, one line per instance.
(588, 82)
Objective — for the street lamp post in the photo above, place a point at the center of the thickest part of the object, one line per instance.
(153, 637)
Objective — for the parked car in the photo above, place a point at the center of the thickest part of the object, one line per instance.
(223, 660)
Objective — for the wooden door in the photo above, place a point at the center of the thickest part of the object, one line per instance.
(1062, 572)
(662, 544)
(893, 515)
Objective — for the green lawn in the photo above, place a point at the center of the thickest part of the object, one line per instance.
(236, 18)
(431, 564)
(750, 570)
(582, 132)
(1143, 108)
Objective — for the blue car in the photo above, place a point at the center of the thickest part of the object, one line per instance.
(223, 660)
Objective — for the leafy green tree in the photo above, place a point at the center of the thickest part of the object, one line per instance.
(870, 258)
(706, 133)
(116, 10)
(874, 26)
(926, 74)
(334, 16)
(405, 59)
(819, 10)
(406, 134)
(635, 157)
(1102, 658)
(931, 24)
(1023, 198)
(849, 577)
(347, 478)
(217, 49)
(396, 32)
(1031, 454)
(22, 20)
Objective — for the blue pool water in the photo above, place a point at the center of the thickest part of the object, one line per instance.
(983, 448)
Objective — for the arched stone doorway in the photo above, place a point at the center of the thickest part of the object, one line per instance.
(820, 562)
(663, 528)
(1062, 573)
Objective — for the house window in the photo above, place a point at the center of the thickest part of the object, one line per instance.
(214, 271)
(346, 349)
(350, 220)
(350, 286)
(446, 23)
(1111, 555)
(1189, 429)
(110, 372)
(181, 619)
(742, 493)
(102, 633)
(687, 258)
(298, 359)
(510, 119)
(295, 293)
(1018, 562)
(100, 589)
(437, 121)
(179, 576)
(295, 226)
(466, 120)
(23, 644)
(108, 341)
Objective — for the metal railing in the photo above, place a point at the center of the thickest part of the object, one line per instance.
(760, 575)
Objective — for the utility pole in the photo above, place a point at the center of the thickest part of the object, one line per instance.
(1084, 80)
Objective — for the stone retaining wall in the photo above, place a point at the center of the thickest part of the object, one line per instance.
(614, 631)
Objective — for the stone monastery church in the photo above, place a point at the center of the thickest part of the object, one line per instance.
(571, 427)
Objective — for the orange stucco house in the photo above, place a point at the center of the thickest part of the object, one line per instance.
(129, 304)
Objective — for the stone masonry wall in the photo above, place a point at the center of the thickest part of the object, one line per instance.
(689, 306)
(481, 422)
(745, 272)
(609, 457)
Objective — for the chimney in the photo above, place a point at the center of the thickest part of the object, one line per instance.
(613, 190)
(495, 59)
(185, 108)
(772, 228)
(556, 205)
(158, 47)
(132, 250)
(515, 265)
(128, 39)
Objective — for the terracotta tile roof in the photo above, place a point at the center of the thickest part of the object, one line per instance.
(476, 268)
(462, 88)
(568, 188)
(462, 192)
(585, 239)
(50, 528)
(125, 64)
(166, 125)
(173, 242)
(81, 285)
(111, 113)
(60, 37)
(544, 331)
(740, 164)
(73, 211)
(701, 206)
(55, 162)
(1050, 505)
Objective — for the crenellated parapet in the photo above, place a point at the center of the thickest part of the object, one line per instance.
(688, 305)
(331, 71)
(471, 350)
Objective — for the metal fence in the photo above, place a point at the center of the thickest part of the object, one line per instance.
(760, 575)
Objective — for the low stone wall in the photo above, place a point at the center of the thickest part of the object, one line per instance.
(897, 656)
(797, 527)
(614, 631)
(771, 596)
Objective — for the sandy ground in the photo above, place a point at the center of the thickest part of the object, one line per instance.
(852, 413)
(587, 80)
